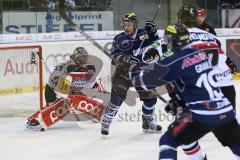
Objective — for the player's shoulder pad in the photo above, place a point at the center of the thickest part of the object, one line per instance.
(167, 54)
(198, 30)
(176, 56)
(140, 32)
(119, 35)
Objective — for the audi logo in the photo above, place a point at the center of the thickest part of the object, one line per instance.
(55, 59)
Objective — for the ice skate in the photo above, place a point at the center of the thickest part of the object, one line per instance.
(105, 129)
(149, 126)
(33, 124)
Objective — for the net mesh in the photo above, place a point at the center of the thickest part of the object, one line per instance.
(20, 80)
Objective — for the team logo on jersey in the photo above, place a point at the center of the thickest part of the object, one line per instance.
(125, 45)
(187, 62)
(139, 51)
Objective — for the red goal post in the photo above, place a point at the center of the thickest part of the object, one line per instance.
(21, 72)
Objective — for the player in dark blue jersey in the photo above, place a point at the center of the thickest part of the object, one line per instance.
(207, 110)
(127, 49)
(187, 14)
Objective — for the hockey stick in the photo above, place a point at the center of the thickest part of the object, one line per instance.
(87, 36)
(146, 37)
(94, 42)
(154, 91)
(70, 108)
(159, 6)
(34, 61)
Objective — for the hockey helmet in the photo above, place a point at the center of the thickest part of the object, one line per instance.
(130, 17)
(177, 34)
(187, 14)
(79, 55)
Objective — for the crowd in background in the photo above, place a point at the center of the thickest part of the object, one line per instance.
(41, 5)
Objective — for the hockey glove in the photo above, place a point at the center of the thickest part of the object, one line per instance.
(120, 59)
(174, 106)
(231, 65)
(151, 28)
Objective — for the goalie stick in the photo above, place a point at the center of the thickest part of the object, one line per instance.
(94, 42)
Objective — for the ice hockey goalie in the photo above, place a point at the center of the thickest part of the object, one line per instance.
(69, 78)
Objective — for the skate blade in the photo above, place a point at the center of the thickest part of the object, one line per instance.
(149, 131)
(34, 128)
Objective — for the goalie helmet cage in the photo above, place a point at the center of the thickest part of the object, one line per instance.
(21, 78)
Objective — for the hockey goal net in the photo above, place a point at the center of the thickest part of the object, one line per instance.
(21, 80)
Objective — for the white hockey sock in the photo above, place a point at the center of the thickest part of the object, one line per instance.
(110, 113)
(193, 151)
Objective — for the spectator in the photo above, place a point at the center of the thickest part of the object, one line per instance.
(202, 23)
(51, 5)
(65, 10)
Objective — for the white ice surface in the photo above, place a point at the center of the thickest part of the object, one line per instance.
(82, 141)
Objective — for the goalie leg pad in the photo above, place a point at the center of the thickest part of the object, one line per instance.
(53, 113)
(50, 115)
(93, 108)
(33, 123)
(34, 116)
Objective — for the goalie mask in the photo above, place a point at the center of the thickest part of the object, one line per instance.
(177, 36)
(79, 56)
